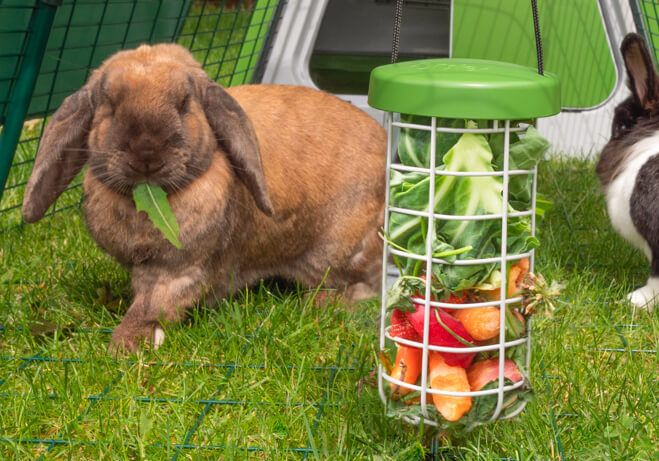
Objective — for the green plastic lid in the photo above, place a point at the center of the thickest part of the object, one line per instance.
(464, 88)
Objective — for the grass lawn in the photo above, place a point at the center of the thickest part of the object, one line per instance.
(265, 375)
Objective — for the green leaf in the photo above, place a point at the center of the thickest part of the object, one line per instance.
(400, 294)
(453, 240)
(153, 200)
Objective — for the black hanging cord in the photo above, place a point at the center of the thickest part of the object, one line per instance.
(538, 39)
(398, 16)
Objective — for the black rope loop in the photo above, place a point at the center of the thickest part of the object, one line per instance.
(538, 39)
(398, 17)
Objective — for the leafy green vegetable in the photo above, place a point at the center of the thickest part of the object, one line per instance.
(457, 239)
(153, 200)
(400, 294)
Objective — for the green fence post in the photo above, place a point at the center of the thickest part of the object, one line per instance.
(40, 25)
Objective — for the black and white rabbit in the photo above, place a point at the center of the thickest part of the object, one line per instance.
(628, 167)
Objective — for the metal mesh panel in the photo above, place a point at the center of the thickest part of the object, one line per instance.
(647, 21)
(227, 37)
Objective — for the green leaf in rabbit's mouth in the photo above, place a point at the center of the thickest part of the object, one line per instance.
(153, 200)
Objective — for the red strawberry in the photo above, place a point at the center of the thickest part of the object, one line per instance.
(402, 328)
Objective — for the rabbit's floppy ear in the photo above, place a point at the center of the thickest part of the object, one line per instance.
(234, 131)
(62, 154)
(643, 79)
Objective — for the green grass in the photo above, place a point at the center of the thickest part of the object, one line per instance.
(266, 375)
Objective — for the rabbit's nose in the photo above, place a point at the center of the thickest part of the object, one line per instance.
(146, 167)
(143, 146)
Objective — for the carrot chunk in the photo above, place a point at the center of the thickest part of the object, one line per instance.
(407, 369)
(448, 378)
(482, 323)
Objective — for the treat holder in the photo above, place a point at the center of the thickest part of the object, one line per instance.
(500, 96)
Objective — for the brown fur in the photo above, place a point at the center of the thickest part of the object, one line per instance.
(265, 180)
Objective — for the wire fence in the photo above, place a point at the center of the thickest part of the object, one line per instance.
(37, 378)
(229, 43)
(646, 14)
(229, 38)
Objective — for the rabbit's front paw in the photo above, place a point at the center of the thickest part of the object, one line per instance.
(647, 296)
(128, 339)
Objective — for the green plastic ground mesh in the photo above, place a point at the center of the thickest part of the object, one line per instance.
(270, 377)
(48, 49)
(265, 378)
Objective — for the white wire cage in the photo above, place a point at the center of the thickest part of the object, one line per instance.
(503, 390)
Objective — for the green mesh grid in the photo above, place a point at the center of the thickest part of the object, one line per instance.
(243, 376)
(226, 37)
(82, 392)
(647, 20)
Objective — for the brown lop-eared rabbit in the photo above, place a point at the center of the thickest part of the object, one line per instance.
(264, 180)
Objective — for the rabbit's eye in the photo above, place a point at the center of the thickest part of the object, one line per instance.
(620, 127)
(184, 105)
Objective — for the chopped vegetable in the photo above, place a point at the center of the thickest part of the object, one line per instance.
(482, 323)
(153, 200)
(443, 330)
(517, 273)
(448, 378)
(407, 369)
(485, 371)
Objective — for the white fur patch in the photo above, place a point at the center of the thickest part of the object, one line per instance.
(158, 337)
(646, 297)
(619, 192)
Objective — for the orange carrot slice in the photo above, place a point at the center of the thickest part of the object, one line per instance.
(482, 323)
(517, 273)
(407, 369)
(447, 378)
(515, 276)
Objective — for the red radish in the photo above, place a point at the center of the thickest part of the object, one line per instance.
(440, 336)
(486, 371)
(402, 328)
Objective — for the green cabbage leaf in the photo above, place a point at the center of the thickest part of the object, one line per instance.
(461, 239)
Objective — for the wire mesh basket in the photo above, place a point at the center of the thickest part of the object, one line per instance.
(460, 226)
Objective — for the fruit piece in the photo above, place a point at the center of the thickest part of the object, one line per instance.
(454, 299)
(448, 378)
(402, 328)
(485, 371)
